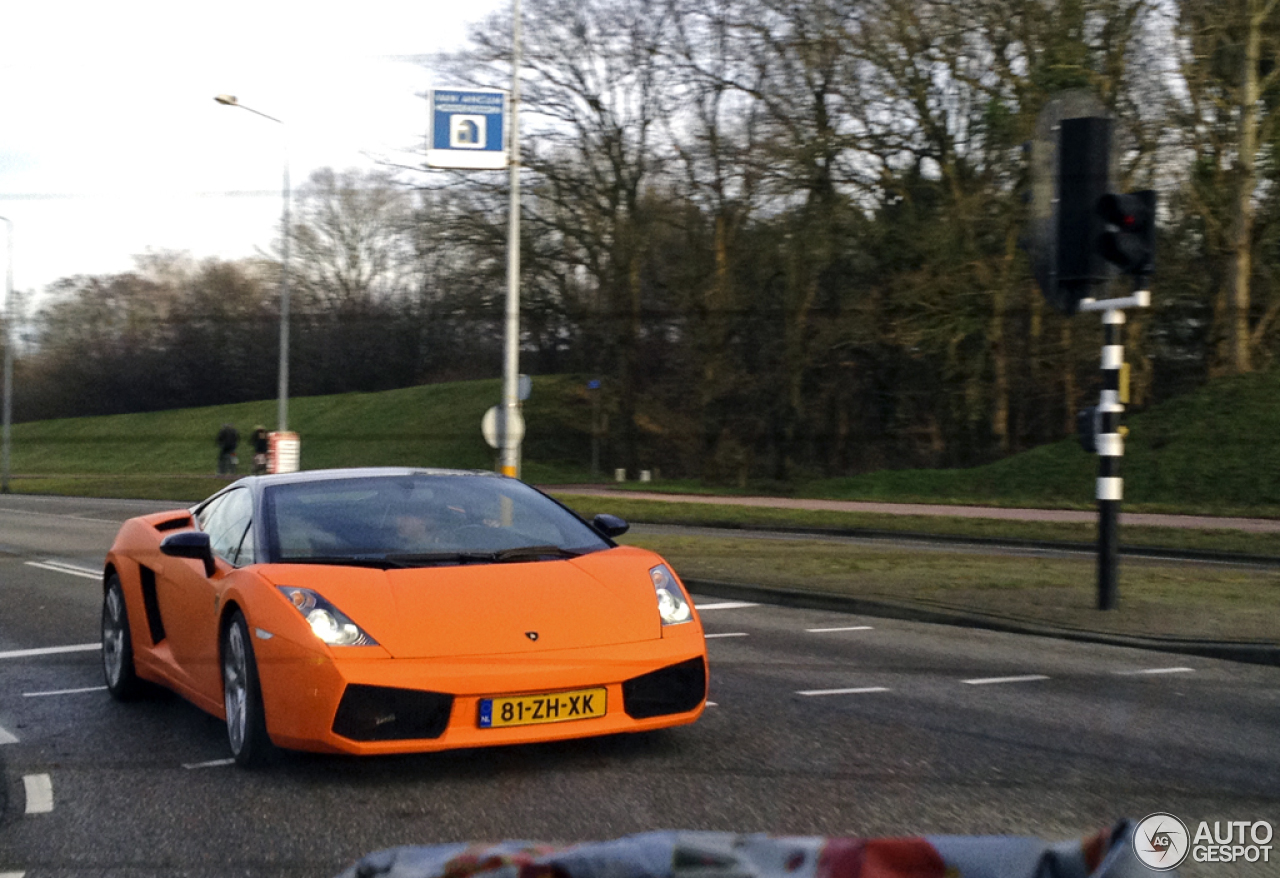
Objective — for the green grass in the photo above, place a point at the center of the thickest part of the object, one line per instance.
(1216, 451)
(430, 425)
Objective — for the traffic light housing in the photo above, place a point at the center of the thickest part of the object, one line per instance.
(1084, 234)
(1084, 158)
(1129, 240)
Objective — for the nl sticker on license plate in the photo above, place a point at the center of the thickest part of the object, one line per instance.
(557, 707)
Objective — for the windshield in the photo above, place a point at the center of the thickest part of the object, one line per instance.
(420, 519)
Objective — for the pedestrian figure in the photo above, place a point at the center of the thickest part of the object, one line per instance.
(228, 439)
(260, 444)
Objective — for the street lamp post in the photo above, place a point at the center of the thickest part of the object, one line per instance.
(282, 410)
(8, 360)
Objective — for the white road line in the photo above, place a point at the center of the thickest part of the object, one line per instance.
(1157, 671)
(6, 737)
(39, 793)
(12, 874)
(73, 571)
(849, 628)
(712, 704)
(8, 511)
(863, 691)
(725, 605)
(727, 634)
(64, 692)
(50, 650)
(212, 763)
(984, 681)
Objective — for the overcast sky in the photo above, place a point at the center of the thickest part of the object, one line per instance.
(111, 144)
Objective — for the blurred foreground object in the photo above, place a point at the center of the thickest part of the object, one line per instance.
(673, 854)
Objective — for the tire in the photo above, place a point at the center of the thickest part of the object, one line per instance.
(242, 696)
(117, 645)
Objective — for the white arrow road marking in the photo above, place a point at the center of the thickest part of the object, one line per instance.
(863, 691)
(59, 567)
(6, 737)
(985, 681)
(39, 793)
(50, 650)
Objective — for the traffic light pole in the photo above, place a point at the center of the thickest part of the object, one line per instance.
(1110, 443)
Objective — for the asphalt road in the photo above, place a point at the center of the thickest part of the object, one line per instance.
(823, 724)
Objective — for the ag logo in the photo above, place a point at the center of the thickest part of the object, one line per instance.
(1161, 841)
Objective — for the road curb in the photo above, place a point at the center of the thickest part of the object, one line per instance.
(1252, 653)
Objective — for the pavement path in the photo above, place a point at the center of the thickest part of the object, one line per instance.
(1195, 522)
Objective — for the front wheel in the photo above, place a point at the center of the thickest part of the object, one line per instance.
(117, 644)
(242, 696)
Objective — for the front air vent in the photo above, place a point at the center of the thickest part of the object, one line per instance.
(673, 689)
(380, 713)
(174, 523)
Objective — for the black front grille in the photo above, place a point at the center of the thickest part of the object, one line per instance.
(379, 713)
(674, 689)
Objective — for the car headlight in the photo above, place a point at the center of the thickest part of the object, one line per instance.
(673, 607)
(327, 622)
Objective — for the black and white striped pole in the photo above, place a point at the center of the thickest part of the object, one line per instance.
(1081, 233)
(1110, 444)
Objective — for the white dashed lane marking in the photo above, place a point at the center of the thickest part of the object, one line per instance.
(70, 569)
(50, 650)
(39, 793)
(725, 634)
(724, 605)
(64, 692)
(212, 763)
(1156, 671)
(865, 690)
(987, 681)
(833, 630)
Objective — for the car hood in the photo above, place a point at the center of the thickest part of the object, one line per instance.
(495, 609)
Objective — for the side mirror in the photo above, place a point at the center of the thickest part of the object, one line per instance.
(190, 544)
(610, 525)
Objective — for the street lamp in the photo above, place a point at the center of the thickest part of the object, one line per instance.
(8, 360)
(282, 411)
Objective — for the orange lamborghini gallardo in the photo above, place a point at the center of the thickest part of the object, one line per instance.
(399, 610)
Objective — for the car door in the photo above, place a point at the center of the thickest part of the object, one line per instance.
(194, 597)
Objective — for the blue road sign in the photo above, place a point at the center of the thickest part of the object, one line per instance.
(468, 129)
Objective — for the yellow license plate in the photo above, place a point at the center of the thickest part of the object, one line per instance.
(556, 707)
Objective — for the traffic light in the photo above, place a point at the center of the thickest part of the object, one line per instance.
(1084, 157)
(1129, 242)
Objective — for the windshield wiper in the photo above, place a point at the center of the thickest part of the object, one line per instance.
(534, 553)
(379, 562)
(427, 559)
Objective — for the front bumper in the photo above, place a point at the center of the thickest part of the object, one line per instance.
(383, 705)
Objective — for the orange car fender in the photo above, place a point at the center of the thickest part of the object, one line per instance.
(295, 669)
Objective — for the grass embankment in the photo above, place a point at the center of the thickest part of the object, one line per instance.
(1216, 452)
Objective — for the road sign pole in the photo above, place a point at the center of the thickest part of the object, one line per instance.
(509, 461)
